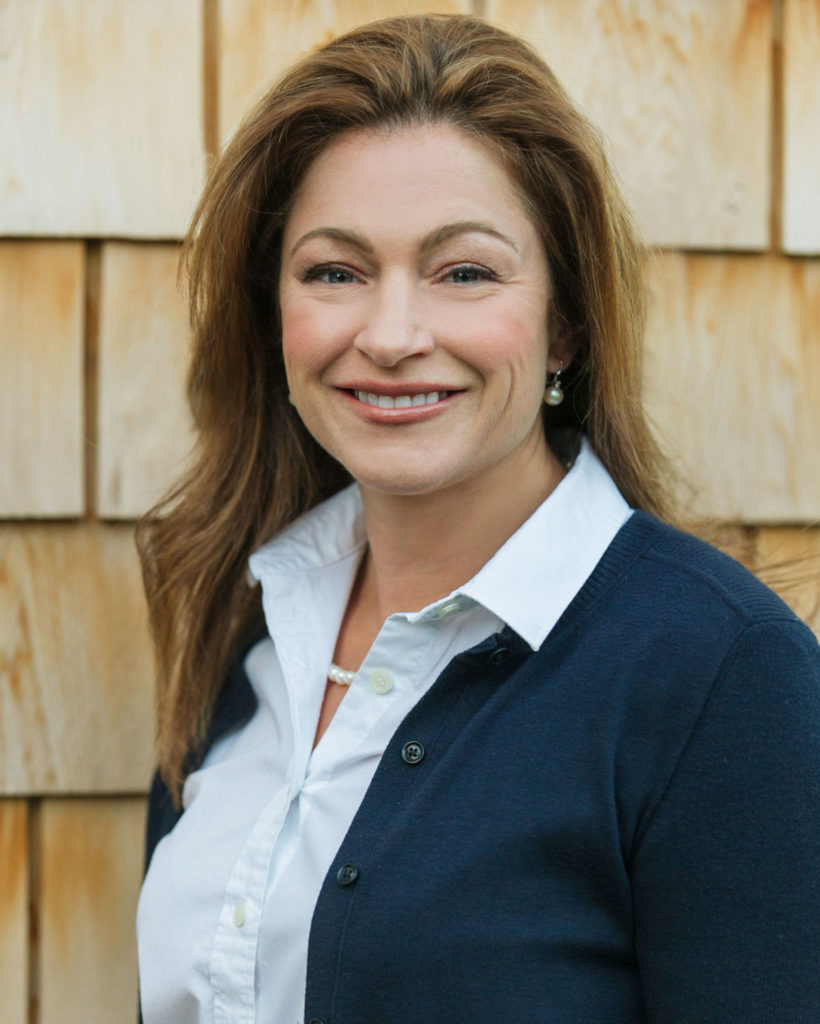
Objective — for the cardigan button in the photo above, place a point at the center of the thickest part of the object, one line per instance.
(499, 656)
(315, 1020)
(412, 752)
(347, 874)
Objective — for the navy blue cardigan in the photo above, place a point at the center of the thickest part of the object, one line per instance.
(623, 827)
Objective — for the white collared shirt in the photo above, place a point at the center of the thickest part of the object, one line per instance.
(225, 910)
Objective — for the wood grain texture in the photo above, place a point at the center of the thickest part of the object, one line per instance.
(259, 39)
(801, 115)
(733, 381)
(75, 667)
(101, 124)
(681, 89)
(90, 877)
(14, 912)
(143, 424)
(41, 386)
(788, 559)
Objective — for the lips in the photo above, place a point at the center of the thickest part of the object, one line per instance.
(397, 403)
(409, 401)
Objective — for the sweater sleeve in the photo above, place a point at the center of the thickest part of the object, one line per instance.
(726, 875)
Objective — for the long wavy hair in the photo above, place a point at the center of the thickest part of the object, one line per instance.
(255, 467)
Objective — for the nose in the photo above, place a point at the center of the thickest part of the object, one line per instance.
(393, 330)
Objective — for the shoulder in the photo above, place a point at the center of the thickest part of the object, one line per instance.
(670, 574)
(665, 617)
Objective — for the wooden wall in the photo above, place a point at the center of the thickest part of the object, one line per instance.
(110, 112)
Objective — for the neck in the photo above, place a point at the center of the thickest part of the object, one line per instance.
(421, 547)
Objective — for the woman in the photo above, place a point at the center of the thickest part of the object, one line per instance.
(476, 737)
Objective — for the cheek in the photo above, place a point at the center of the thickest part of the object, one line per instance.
(305, 339)
(507, 343)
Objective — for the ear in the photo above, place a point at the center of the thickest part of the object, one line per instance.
(562, 347)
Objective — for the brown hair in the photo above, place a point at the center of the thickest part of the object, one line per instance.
(256, 468)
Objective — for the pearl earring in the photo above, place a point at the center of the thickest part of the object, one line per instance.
(554, 395)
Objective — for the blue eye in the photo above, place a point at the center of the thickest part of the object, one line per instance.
(329, 274)
(469, 274)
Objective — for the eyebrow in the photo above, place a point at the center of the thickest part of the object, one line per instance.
(428, 243)
(348, 237)
(463, 227)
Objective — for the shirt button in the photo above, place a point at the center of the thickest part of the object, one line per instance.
(499, 656)
(239, 913)
(347, 874)
(448, 609)
(381, 681)
(315, 1020)
(412, 752)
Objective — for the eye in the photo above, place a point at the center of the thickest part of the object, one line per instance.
(469, 273)
(330, 273)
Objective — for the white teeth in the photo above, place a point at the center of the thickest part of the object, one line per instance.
(400, 401)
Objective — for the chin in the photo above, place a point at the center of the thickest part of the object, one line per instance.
(406, 485)
(409, 469)
(400, 479)
(409, 484)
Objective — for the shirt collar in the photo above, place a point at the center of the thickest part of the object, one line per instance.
(328, 533)
(533, 577)
(528, 583)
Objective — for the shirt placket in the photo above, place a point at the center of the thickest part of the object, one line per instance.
(234, 956)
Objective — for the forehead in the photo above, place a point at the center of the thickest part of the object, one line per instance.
(412, 178)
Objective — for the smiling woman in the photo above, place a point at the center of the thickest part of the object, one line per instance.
(452, 726)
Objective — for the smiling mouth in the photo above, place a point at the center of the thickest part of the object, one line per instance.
(400, 401)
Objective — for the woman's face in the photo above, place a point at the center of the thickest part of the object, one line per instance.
(414, 293)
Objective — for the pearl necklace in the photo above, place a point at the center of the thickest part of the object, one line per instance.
(340, 675)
